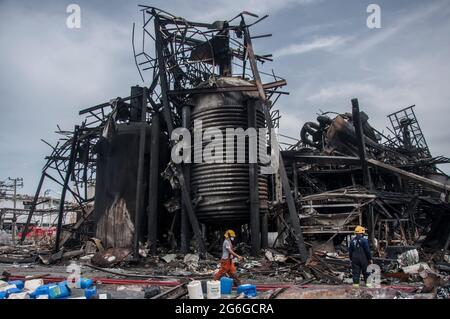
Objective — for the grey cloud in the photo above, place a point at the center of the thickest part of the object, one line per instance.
(328, 43)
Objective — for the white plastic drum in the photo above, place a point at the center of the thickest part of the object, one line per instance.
(213, 289)
(195, 290)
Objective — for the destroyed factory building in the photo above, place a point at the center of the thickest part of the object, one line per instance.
(295, 221)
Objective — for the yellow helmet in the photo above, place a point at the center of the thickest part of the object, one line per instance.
(229, 233)
(360, 230)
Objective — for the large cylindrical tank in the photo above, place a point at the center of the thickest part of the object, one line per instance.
(223, 188)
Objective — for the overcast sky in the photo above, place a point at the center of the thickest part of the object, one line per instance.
(322, 47)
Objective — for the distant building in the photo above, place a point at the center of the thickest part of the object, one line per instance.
(45, 215)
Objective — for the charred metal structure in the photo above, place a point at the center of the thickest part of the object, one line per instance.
(345, 172)
(204, 71)
(340, 173)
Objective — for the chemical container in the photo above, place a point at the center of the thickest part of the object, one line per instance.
(226, 283)
(248, 290)
(17, 283)
(58, 291)
(90, 292)
(84, 283)
(6, 286)
(40, 291)
(32, 284)
(13, 290)
(195, 290)
(19, 295)
(213, 289)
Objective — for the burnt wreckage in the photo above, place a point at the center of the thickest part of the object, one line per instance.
(341, 172)
(349, 173)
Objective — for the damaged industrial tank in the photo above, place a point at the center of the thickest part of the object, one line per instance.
(223, 188)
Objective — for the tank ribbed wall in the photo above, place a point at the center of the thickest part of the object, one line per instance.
(224, 187)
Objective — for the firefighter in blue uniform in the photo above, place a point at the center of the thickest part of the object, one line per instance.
(360, 256)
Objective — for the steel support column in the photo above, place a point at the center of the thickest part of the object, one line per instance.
(253, 182)
(295, 179)
(153, 185)
(168, 119)
(140, 176)
(294, 218)
(32, 208)
(367, 181)
(70, 166)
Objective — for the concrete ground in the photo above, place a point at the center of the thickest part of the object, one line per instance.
(120, 287)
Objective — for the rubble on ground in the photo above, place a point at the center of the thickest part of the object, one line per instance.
(421, 274)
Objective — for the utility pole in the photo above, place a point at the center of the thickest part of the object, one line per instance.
(46, 194)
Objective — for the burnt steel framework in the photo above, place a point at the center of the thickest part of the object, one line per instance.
(179, 55)
(349, 172)
(319, 173)
(406, 129)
